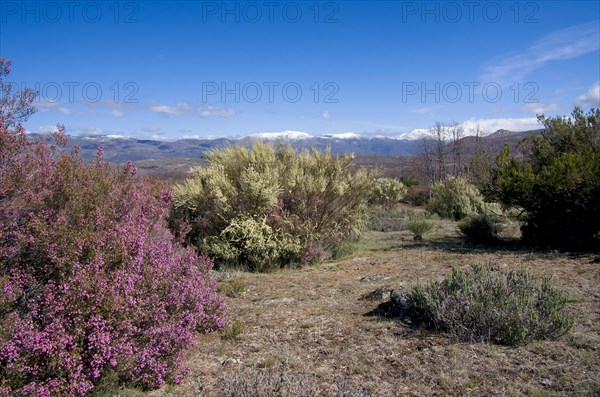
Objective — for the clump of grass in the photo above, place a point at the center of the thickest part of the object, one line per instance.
(233, 288)
(270, 382)
(508, 308)
(418, 227)
(232, 331)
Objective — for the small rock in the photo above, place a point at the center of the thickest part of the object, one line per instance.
(380, 294)
(546, 382)
(399, 297)
(374, 277)
(231, 361)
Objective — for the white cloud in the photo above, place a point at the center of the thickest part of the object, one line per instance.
(424, 110)
(185, 108)
(326, 115)
(591, 97)
(180, 109)
(539, 108)
(486, 126)
(91, 131)
(117, 113)
(215, 111)
(560, 45)
(64, 110)
(46, 106)
(45, 129)
(152, 130)
(492, 125)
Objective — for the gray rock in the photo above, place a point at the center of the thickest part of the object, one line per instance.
(231, 361)
(380, 294)
(374, 277)
(399, 297)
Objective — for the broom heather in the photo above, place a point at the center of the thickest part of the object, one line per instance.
(95, 292)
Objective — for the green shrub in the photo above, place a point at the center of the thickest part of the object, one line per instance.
(264, 208)
(455, 198)
(481, 228)
(417, 195)
(479, 304)
(253, 244)
(387, 192)
(556, 180)
(418, 227)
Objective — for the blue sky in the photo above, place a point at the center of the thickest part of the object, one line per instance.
(169, 70)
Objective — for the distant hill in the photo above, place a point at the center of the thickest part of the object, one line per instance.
(156, 157)
(495, 142)
(122, 149)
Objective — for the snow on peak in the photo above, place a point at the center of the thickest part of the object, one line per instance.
(344, 135)
(270, 136)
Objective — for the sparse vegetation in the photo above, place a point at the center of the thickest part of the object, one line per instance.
(479, 304)
(386, 219)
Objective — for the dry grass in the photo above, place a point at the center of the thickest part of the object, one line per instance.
(313, 321)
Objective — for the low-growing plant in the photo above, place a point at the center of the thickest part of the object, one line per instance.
(418, 227)
(386, 220)
(264, 382)
(480, 304)
(232, 288)
(232, 331)
(481, 228)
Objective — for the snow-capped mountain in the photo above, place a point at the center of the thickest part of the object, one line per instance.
(274, 136)
(118, 148)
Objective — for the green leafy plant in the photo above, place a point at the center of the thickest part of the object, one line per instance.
(480, 304)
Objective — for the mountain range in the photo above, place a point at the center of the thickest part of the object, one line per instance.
(120, 149)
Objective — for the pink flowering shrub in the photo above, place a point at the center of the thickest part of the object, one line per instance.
(94, 292)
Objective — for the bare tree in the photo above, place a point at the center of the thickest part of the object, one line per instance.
(440, 133)
(481, 163)
(457, 134)
(426, 156)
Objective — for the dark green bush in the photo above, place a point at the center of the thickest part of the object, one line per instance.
(556, 180)
(508, 308)
(481, 228)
